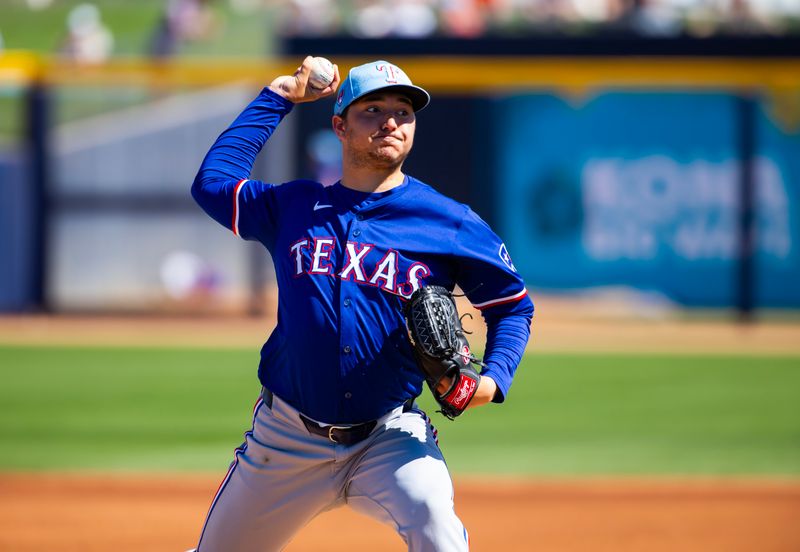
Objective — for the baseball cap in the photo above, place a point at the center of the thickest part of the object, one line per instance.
(377, 75)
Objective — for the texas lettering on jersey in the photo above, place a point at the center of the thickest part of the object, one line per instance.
(362, 264)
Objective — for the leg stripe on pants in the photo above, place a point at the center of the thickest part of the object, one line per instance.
(228, 475)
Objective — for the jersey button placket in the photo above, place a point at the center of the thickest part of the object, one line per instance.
(348, 359)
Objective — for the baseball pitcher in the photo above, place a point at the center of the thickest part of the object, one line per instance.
(365, 270)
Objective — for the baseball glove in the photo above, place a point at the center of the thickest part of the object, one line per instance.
(441, 349)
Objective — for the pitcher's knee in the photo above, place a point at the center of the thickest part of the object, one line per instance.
(434, 527)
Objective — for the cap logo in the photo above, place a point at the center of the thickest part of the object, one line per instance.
(341, 97)
(391, 72)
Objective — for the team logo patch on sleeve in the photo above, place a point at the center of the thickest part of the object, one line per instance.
(505, 257)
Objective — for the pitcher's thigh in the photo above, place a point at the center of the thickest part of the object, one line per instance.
(402, 480)
(276, 486)
(253, 512)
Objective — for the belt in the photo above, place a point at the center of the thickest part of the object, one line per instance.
(342, 435)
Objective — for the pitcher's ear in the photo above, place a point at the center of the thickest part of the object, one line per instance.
(338, 125)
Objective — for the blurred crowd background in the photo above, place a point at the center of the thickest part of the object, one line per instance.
(93, 31)
(472, 18)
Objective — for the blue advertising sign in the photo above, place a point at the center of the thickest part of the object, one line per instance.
(642, 190)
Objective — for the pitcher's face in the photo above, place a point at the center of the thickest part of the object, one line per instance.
(377, 130)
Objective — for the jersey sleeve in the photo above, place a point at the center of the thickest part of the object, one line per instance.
(488, 277)
(485, 270)
(222, 186)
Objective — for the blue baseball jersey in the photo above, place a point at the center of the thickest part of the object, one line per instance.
(346, 262)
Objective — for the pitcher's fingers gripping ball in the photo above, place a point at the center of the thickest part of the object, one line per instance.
(322, 73)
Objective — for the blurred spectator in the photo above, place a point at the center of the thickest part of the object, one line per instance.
(742, 20)
(402, 18)
(761, 16)
(701, 17)
(182, 21)
(371, 19)
(650, 18)
(310, 18)
(413, 19)
(464, 18)
(88, 39)
(548, 14)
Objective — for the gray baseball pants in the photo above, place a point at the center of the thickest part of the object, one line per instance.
(283, 476)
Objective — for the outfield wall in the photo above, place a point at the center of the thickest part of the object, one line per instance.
(643, 189)
(610, 171)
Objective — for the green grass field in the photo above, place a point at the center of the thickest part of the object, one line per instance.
(179, 409)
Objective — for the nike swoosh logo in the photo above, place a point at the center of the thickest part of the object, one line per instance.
(317, 206)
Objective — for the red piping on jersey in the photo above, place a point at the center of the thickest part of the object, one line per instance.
(502, 301)
(234, 224)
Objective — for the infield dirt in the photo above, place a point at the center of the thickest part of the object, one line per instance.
(87, 513)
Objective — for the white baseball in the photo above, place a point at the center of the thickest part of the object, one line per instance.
(321, 73)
